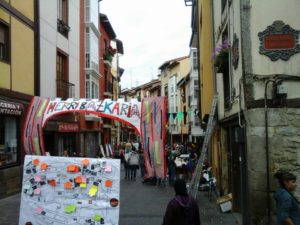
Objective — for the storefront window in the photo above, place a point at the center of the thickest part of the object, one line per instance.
(8, 141)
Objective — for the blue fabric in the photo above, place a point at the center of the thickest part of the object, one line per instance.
(287, 207)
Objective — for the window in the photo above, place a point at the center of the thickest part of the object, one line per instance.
(4, 42)
(64, 89)
(105, 46)
(91, 88)
(166, 91)
(8, 141)
(61, 66)
(63, 11)
(62, 18)
(195, 61)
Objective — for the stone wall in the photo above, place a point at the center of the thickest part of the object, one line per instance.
(10, 181)
(284, 154)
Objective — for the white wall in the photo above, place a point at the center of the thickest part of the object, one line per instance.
(264, 14)
(234, 27)
(50, 40)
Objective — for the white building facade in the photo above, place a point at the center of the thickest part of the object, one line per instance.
(193, 97)
(92, 35)
(59, 48)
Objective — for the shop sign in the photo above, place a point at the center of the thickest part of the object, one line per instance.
(68, 127)
(279, 41)
(11, 108)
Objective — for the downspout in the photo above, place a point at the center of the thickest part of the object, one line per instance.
(267, 154)
(37, 48)
(213, 44)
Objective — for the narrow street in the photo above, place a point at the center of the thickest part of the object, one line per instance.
(140, 205)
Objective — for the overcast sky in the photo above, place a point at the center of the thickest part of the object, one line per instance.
(152, 32)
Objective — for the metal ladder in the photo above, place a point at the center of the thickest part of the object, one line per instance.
(194, 185)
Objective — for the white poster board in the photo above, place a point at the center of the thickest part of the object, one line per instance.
(66, 190)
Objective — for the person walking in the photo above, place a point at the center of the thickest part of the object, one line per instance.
(128, 148)
(171, 167)
(183, 209)
(287, 205)
(133, 162)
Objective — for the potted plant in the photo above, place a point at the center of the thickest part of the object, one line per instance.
(220, 55)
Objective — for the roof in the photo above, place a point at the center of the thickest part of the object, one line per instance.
(107, 26)
(171, 63)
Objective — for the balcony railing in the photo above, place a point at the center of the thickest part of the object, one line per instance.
(63, 28)
(65, 89)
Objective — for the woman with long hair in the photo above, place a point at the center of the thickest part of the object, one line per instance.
(287, 205)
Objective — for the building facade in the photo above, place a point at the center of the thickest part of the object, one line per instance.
(173, 71)
(195, 131)
(19, 73)
(59, 38)
(254, 65)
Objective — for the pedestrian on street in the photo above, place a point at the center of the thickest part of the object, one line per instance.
(183, 209)
(133, 162)
(128, 148)
(171, 167)
(287, 205)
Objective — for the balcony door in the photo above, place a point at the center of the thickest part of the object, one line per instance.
(62, 77)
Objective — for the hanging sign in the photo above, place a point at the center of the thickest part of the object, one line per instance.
(279, 41)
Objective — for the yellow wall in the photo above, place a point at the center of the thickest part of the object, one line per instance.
(22, 58)
(4, 15)
(25, 7)
(18, 74)
(206, 64)
(4, 67)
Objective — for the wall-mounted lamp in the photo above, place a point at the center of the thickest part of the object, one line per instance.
(189, 2)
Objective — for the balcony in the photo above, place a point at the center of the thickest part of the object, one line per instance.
(63, 28)
(107, 59)
(65, 89)
(108, 91)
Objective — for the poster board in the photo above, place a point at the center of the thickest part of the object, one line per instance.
(67, 190)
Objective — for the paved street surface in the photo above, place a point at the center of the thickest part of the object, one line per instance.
(140, 205)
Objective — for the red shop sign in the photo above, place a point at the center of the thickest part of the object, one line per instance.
(279, 41)
(68, 127)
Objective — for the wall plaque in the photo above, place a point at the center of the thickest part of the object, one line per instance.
(279, 41)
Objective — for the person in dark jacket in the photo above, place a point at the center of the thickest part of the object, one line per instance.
(287, 205)
(183, 209)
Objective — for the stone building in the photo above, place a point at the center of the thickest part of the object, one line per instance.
(256, 72)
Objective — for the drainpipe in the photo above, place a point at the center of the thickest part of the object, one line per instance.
(213, 44)
(267, 153)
